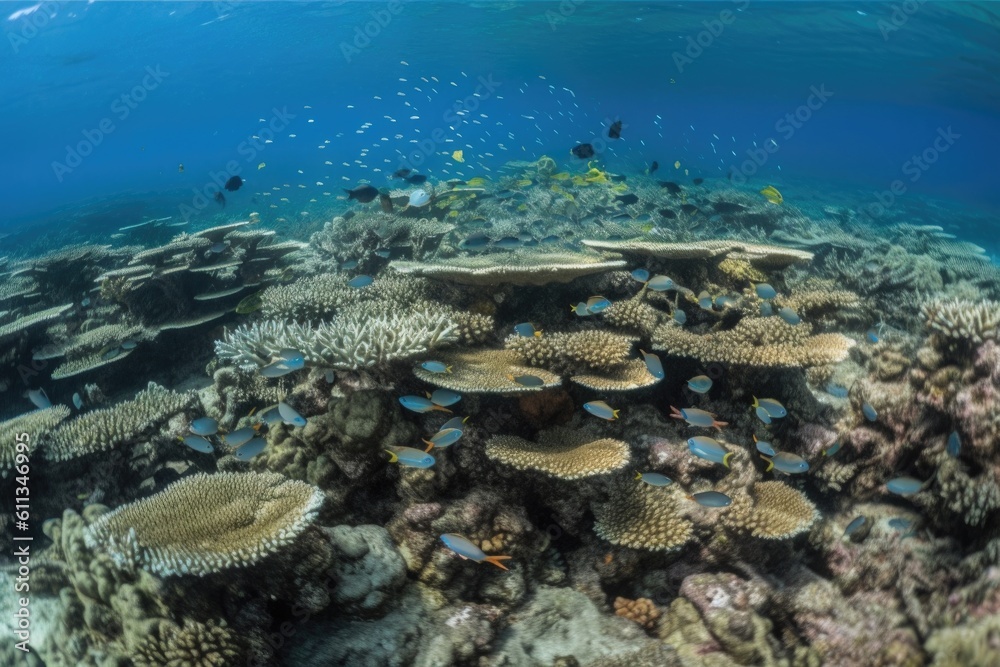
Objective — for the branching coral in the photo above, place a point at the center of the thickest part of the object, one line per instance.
(560, 452)
(192, 644)
(963, 321)
(592, 349)
(307, 299)
(640, 516)
(207, 523)
(37, 425)
(121, 424)
(633, 315)
(761, 342)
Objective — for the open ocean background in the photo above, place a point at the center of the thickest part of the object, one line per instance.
(359, 105)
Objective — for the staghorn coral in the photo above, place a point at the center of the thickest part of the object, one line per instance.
(592, 349)
(520, 268)
(474, 328)
(119, 425)
(307, 299)
(771, 510)
(192, 644)
(974, 644)
(640, 516)
(355, 339)
(486, 372)
(241, 518)
(961, 321)
(761, 342)
(634, 315)
(561, 452)
(37, 425)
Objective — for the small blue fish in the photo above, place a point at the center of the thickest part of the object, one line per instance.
(642, 275)
(384, 254)
(763, 447)
(85, 302)
(129, 345)
(294, 358)
(789, 315)
(469, 551)
(660, 283)
(456, 423)
(762, 415)
(329, 376)
(786, 462)
(507, 243)
(444, 397)
(904, 486)
(250, 449)
(711, 499)
(278, 369)
(954, 445)
(705, 301)
(198, 444)
(205, 426)
(435, 367)
(700, 384)
(597, 304)
(766, 309)
(527, 330)
(477, 241)
(900, 523)
(39, 398)
(579, 309)
(653, 364)
(111, 353)
(765, 291)
(854, 525)
(680, 316)
(218, 248)
(270, 416)
(836, 390)
(527, 380)
(77, 401)
(872, 336)
(446, 437)
(723, 302)
(420, 404)
(833, 449)
(349, 265)
(551, 238)
(290, 416)
(239, 436)
(360, 281)
(408, 457)
(773, 408)
(869, 412)
(696, 417)
(601, 409)
(654, 478)
(709, 449)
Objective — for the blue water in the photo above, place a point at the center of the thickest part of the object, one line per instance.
(890, 83)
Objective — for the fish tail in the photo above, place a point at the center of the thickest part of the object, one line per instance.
(442, 409)
(755, 404)
(719, 425)
(447, 369)
(495, 560)
(770, 463)
(725, 459)
(350, 195)
(538, 334)
(392, 456)
(430, 445)
(614, 414)
(638, 475)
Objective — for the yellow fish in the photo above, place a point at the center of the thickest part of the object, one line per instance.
(458, 156)
(180, 169)
(772, 194)
(523, 183)
(476, 182)
(522, 207)
(261, 166)
(452, 214)
(578, 180)
(561, 176)
(677, 165)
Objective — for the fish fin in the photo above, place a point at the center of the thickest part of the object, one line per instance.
(754, 436)
(495, 560)
(511, 377)
(691, 498)
(725, 459)
(430, 445)
(538, 334)
(392, 456)
(638, 475)
(718, 425)
(442, 409)
(614, 414)
(447, 369)
(770, 463)
(755, 404)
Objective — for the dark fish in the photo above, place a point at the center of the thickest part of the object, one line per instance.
(402, 173)
(219, 197)
(385, 202)
(689, 209)
(363, 193)
(234, 184)
(698, 181)
(671, 187)
(728, 207)
(628, 199)
(583, 151)
(416, 179)
(615, 131)
(617, 178)
(667, 213)
(653, 167)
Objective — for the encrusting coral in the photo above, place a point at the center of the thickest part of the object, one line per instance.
(207, 523)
